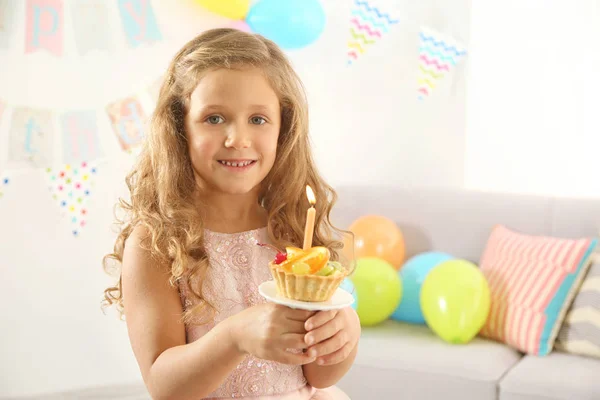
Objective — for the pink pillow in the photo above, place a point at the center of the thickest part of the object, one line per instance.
(532, 281)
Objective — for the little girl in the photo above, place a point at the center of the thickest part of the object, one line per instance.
(224, 169)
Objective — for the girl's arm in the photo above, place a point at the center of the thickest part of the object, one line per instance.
(333, 336)
(171, 369)
(324, 376)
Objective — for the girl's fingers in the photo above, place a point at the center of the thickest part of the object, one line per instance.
(324, 332)
(329, 346)
(337, 356)
(320, 319)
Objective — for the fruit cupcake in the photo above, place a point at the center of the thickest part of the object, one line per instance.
(307, 275)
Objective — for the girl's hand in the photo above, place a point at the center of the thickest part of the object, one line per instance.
(332, 335)
(268, 330)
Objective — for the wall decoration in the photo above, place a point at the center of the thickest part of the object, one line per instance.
(31, 138)
(139, 22)
(438, 54)
(91, 25)
(32, 141)
(44, 26)
(7, 18)
(127, 118)
(80, 136)
(368, 24)
(71, 187)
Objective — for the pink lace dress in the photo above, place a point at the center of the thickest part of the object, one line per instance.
(237, 267)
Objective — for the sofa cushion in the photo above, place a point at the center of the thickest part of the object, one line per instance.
(580, 333)
(552, 377)
(400, 360)
(532, 279)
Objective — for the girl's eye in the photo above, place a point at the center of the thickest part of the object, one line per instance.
(214, 119)
(258, 120)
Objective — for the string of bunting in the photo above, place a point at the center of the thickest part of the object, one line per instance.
(66, 144)
(71, 166)
(91, 26)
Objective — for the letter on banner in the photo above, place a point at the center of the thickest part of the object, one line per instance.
(7, 18)
(80, 137)
(139, 22)
(44, 26)
(127, 119)
(31, 137)
(91, 25)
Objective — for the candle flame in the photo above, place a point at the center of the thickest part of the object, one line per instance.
(311, 195)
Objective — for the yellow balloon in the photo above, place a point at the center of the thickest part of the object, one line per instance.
(378, 288)
(233, 9)
(455, 300)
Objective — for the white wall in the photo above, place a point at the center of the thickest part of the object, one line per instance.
(367, 127)
(533, 124)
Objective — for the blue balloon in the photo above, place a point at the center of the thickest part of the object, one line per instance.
(413, 273)
(348, 286)
(291, 24)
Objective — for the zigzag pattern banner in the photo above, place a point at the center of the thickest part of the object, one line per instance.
(438, 54)
(368, 24)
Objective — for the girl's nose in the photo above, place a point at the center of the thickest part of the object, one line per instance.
(238, 137)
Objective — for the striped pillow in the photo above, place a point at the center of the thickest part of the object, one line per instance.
(532, 281)
(580, 333)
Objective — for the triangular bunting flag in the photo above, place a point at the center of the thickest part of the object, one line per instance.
(71, 187)
(368, 24)
(438, 54)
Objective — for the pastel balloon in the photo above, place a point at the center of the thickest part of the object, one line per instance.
(455, 299)
(292, 24)
(379, 290)
(376, 236)
(413, 275)
(233, 9)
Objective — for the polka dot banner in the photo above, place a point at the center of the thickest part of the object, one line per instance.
(71, 187)
(4, 182)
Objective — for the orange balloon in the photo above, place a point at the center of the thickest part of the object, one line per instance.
(376, 236)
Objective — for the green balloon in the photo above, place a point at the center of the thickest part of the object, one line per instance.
(379, 288)
(455, 300)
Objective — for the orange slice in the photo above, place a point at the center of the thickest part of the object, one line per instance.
(316, 258)
(293, 252)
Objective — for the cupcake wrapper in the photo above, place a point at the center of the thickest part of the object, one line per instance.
(311, 288)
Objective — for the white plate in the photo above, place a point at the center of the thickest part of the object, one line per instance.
(340, 299)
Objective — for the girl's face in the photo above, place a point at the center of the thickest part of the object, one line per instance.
(232, 127)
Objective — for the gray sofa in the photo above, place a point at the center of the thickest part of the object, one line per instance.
(403, 361)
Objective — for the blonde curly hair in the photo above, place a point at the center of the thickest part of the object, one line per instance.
(162, 183)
